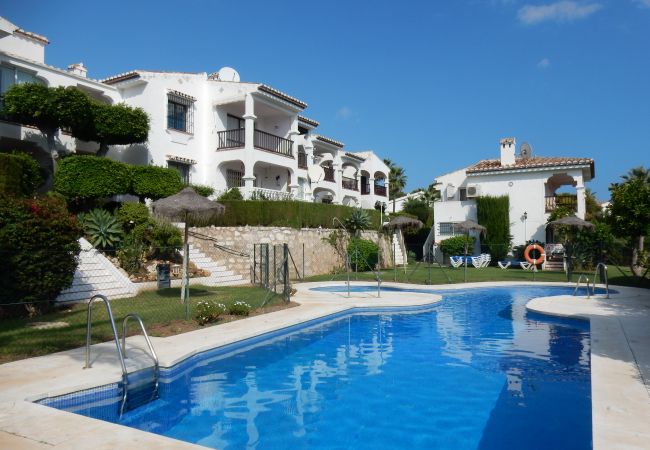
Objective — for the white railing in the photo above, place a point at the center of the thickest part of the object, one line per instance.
(257, 193)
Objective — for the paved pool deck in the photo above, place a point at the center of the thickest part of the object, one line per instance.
(620, 330)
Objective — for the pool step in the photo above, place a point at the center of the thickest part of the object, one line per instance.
(142, 390)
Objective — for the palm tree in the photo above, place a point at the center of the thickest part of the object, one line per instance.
(396, 180)
(637, 173)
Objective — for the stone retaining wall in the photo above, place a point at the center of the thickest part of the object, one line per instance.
(309, 247)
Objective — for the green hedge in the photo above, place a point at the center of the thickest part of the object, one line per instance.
(287, 214)
(19, 174)
(155, 182)
(85, 177)
(455, 246)
(494, 214)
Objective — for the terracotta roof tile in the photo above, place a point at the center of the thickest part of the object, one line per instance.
(494, 165)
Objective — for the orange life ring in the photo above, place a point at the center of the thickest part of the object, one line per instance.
(532, 247)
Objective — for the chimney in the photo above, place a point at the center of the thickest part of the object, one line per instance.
(507, 151)
(78, 69)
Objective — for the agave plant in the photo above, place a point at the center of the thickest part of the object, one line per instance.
(102, 229)
(357, 220)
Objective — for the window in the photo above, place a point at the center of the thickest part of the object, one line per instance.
(462, 194)
(446, 229)
(12, 75)
(235, 123)
(183, 170)
(234, 178)
(180, 112)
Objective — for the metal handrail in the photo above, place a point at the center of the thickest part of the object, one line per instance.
(115, 335)
(578, 285)
(604, 266)
(156, 366)
(347, 256)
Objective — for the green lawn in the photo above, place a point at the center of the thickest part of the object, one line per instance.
(420, 274)
(161, 311)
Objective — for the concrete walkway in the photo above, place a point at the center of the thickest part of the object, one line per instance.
(620, 365)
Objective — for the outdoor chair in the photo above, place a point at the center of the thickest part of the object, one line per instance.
(487, 259)
(456, 261)
(503, 264)
(525, 265)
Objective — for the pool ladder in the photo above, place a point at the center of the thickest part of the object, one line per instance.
(134, 393)
(593, 286)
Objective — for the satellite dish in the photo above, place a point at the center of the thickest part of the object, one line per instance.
(316, 173)
(526, 151)
(228, 74)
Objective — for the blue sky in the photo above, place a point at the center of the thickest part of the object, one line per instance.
(431, 85)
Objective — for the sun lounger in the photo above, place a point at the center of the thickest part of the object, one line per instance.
(525, 265)
(456, 261)
(503, 264)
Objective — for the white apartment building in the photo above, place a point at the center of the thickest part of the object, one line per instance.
(213, 128)
(531, 183)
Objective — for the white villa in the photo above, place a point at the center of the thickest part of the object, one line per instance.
(213, 128)
(530, 182)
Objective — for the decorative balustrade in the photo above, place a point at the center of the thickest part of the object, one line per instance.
(273, 143)
(350, 183)
(257, 193)
(231, 138)
(555, 201)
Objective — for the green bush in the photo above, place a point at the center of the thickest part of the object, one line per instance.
(231, 194)
(165, 240)
(364, 254)
(208, 311)
(418, 208)
(205, 191)
(155, 182)
(39, 249)
(357, 220)
(90, 177)
(239, 308)
(102, 229)
(286, 213)
(131, 254)
(455, 246)
(132, 214)
(19, 174)
(494, 214)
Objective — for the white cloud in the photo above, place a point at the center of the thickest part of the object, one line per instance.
(643, 3)
(544, 63)
(562, 11)
(344, 113)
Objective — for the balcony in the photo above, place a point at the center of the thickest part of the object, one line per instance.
(329, 174)
(380, 190)
(350, 183)
(565, 201)
(365, 189)
(302, 160)
(261, 140)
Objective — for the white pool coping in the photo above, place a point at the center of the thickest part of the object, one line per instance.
(618, 365)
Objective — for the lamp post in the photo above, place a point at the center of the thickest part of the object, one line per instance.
(525, 219)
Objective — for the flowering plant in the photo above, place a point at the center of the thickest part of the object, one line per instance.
(208, 311)
(239, 308)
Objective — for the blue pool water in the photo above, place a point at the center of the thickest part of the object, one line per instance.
(475, 371)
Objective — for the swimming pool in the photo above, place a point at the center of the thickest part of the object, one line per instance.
(474, 371)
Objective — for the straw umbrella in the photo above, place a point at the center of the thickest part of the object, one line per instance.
(571, 222)
(194, 210)
(467, 226)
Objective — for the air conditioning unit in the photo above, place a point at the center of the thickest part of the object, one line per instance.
(473, 190)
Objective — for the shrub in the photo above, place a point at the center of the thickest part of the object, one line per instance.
(165, 240)
(418, 208)
(39, 249)
(455, 246)
(208, 311)
(494, 214)
(131, 254)
(19, 174)
(364, 254)
(205, 191)
(239, 308)
(231, 194)
(357, 220)
(102, 229)
(132, 214)
(90, 177)
(285, 213)
(154, 182)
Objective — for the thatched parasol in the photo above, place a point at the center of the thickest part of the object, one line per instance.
(404, 222)
(194, 210)
(467, 226)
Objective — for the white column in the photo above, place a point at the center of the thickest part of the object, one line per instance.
(338, 180)
(580, 194)
(249, 160)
